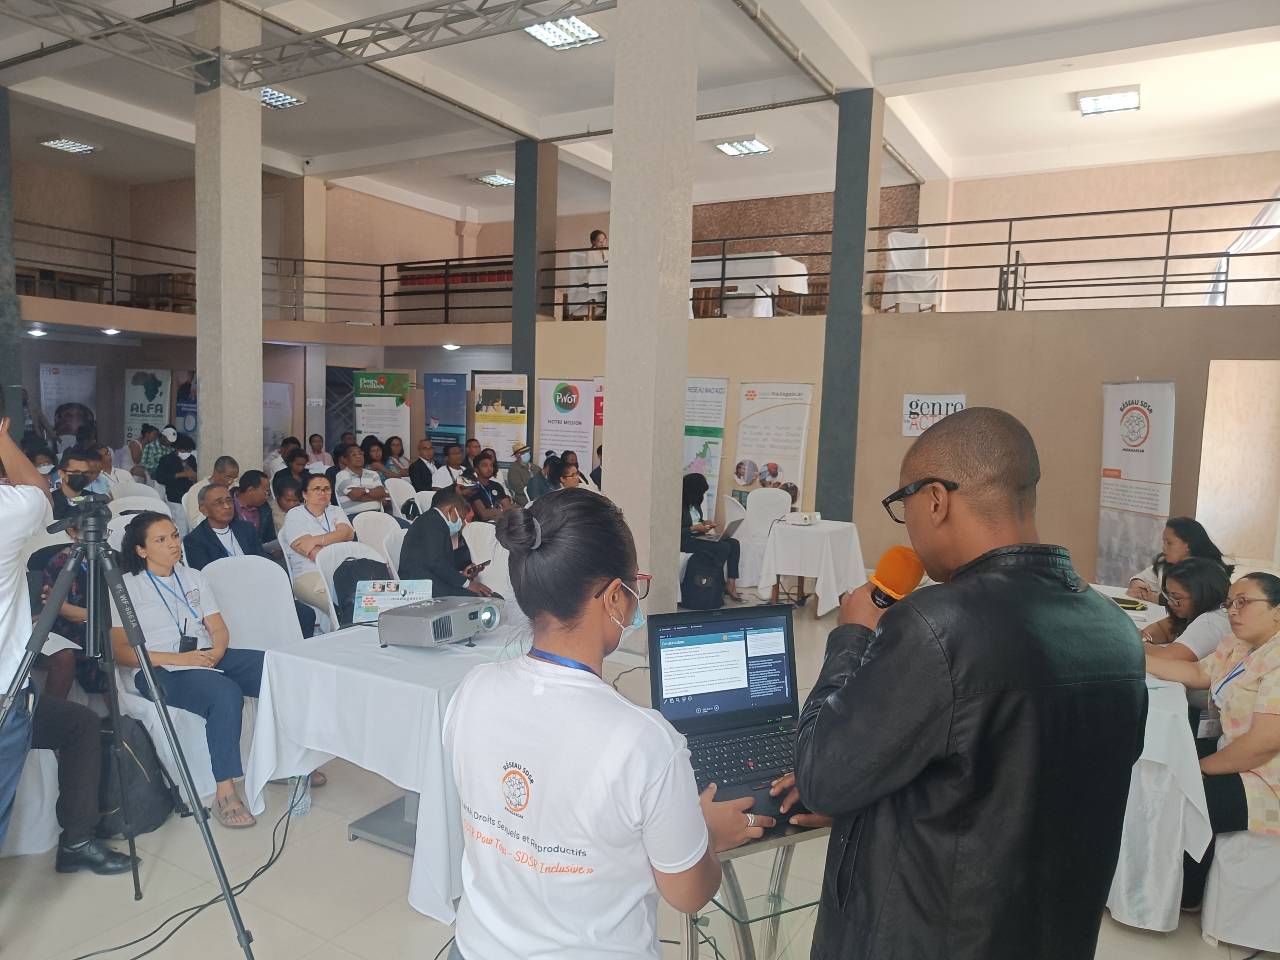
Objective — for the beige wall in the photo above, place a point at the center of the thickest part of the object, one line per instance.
(68, 198)
(370, 229)
(1239, 491)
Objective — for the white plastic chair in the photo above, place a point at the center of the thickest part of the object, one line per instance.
(131, 488)
(372, 528)
(481, 539)
(764, 508)
(392, 546)
(137, 504)
(1242, 896)
(733, 510)
(256, 601)
(911, 280)
(330, 558)
(400, 491)
(423, 499)
(497, 577)
(191, 504)
(33, 825)
(39, 542)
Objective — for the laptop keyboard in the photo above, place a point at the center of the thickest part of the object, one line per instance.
(727, 759)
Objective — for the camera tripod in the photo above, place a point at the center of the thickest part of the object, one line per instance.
(93, 552)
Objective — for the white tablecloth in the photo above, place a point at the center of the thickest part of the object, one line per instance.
(768, 269)
(828, 551)
(1166, 815)
(341, 695)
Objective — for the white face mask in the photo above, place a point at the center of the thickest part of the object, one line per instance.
(45, 468)
(186, 454)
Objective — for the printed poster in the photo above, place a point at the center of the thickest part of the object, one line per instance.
(501, 411)
(382, 405)
(773, 432)
(920, 411)
(566, 417)
(375, 596)
(446, 410)
(146, 400)
(705, 402)
(185, 416)
(1137, 473)
(598, 383)
(68, 399)
(277, 414)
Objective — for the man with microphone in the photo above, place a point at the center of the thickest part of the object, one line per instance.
(971, 744)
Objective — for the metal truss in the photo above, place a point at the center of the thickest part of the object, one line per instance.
(427, 26)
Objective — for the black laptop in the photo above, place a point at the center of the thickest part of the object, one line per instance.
(726, 679)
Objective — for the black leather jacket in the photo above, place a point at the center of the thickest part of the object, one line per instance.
(975, 752)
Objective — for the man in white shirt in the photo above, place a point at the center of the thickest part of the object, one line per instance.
(359, 490)
(115, 475)
(454, 471)
(276, 460)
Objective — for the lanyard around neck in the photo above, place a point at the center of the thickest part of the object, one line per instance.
(322, 520)
(180, 597)
(229, 543)
(561, 661)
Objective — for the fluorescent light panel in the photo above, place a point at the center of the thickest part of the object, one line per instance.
(743, 147)
(275, 99)
(1109, 100)
(67, 145)
(564, 34)
(494, 179)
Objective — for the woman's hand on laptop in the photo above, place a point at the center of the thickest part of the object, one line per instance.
(787, 784)
(729, 823)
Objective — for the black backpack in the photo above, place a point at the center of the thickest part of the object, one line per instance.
(703, 585)
(345, 579)
(138, 784)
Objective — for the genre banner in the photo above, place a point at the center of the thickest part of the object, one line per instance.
(446, 409)
(185, 409)
(773, 431)
(566, 417)
(1137, 471)
(920, 411)
(68, 398)
(705, 401)
(382, 405)
(501, 411)
(146, 400)
(277, 414)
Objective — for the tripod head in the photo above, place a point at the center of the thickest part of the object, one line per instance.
(89, 515)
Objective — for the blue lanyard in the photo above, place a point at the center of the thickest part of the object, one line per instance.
(484, 490)
(322, 520)
(181, 597)
(1235, 672)
(562, 661)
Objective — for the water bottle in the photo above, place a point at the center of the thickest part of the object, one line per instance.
(300, 793)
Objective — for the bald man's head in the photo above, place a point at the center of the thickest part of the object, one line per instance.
(988, 453)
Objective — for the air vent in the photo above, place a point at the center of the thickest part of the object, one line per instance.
(442, 629)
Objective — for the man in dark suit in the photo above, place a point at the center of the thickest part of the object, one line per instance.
(223, 534)
(420, 470)
(429, 554)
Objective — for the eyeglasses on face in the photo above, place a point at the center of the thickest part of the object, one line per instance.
(895, 503)
(643, 582)
(1239, 603)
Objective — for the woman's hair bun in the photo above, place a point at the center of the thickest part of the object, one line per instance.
(519, 531)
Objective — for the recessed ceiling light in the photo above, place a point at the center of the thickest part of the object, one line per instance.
(564, 34)
(67, 145)
(38, 333)
(743, 147)
(494, 178)
(452, 346)
(111, 332)
(276, 99)
(1109, 100)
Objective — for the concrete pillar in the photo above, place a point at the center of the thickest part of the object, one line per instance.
(10, 317)
(314, 382)
(229, 249)
(535, 232)
(655, 85)
(468, 234)
(856, 206)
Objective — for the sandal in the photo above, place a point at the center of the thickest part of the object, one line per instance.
(231, 812)
(318, 779)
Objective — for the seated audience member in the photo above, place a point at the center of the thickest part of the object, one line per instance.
(222, 534)
(428, 552)
(226, 471)
(570, 459)
(487, 498)
(317, 453)
(395, 457)
(1183, 537)
(519, 473)
(115, 475)
(75, 473)
(693, 528)
(453, 473)
(134, 448)
(46, 465)
(308, 528)
(295, 468)
(421, 470)
(597, 472)
(469, 459)
(279, 458)
(358, 488)
(611, 779)
(1242, 769)
(375, 458)
(63, 667)
(156, 443)
(290, 496)
(184, 632)
(1195, 590)
(565, 476)
(177, 472)
(540, 481)
(251, 504)
(347, 438)
(98, 483)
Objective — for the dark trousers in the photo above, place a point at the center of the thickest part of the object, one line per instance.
(218, 696)
(306, 618)
(73, 731)
(1228, 813)
(724, 552)
(15, 739)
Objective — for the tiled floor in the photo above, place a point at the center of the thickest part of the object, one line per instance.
(332, 899)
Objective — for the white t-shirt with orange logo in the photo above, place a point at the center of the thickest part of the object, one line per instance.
(571, 797)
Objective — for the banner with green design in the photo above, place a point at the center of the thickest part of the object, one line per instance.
(566, 418)
(704, 410)
(382, 405)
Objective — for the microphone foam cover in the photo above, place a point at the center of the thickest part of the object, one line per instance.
(898, 572)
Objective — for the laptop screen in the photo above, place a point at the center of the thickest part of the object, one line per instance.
(719, 668)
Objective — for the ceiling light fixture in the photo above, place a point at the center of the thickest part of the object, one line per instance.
(564, 34)
(1091, 103)
(494, 178)
(37, 332)
(111, 332)
(276, 99)
(750, 146)
(67, 145)
(452, 346)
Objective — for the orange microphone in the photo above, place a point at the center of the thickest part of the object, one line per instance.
(897, 574)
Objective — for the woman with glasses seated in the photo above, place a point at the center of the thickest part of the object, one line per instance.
(307, 530)
(1194, 590)
(1182, 538)
(1241, 769)
(579, 808)
(693, 530)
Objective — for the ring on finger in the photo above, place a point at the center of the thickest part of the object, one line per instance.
(751, 819)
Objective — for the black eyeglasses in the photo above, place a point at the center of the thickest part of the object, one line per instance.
(895, 503)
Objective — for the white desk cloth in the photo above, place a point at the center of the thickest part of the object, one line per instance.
(341, 695)
(827, 551)
(768, 269)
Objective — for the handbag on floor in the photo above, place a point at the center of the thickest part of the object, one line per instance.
(138, 784)
(703, 585)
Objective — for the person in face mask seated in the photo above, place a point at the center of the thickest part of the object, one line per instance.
(519, 473)
(558, 770)
(75, 474)
(429, 553)
(177, 471)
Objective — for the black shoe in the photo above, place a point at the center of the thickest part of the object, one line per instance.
(95, 855)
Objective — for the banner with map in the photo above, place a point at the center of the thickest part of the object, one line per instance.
(146, 400)
(705, 401)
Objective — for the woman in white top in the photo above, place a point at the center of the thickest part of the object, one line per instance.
(579, 808)
(1183, 537)
(186, 641)
(1194, 590)
(307, 530)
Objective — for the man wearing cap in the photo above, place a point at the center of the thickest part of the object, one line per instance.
(518, 474)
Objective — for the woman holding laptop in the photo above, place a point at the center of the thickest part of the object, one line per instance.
(578, 807)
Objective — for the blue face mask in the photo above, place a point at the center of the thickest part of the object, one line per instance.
(455, 526)
(99, 485)
(637, 619)
(526, 457)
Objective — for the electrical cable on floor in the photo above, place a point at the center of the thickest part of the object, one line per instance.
(447, 944)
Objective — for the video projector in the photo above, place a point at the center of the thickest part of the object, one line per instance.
(431, 623)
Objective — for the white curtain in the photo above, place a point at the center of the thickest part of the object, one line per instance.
(1264, 229)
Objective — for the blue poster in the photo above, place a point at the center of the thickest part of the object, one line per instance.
(446, 410)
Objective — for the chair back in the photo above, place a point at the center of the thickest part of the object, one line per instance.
(123, 505)
(191, 503)
(42, 541)
(330, 558)
(256, 601)
(905, 251)
(399, 490)
(423, 499)
(481, 539)
(372, 528)
(131, 488)
(733, 510)
(392, 546)
(765, 506)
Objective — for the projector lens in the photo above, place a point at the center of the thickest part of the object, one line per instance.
(489, 617)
